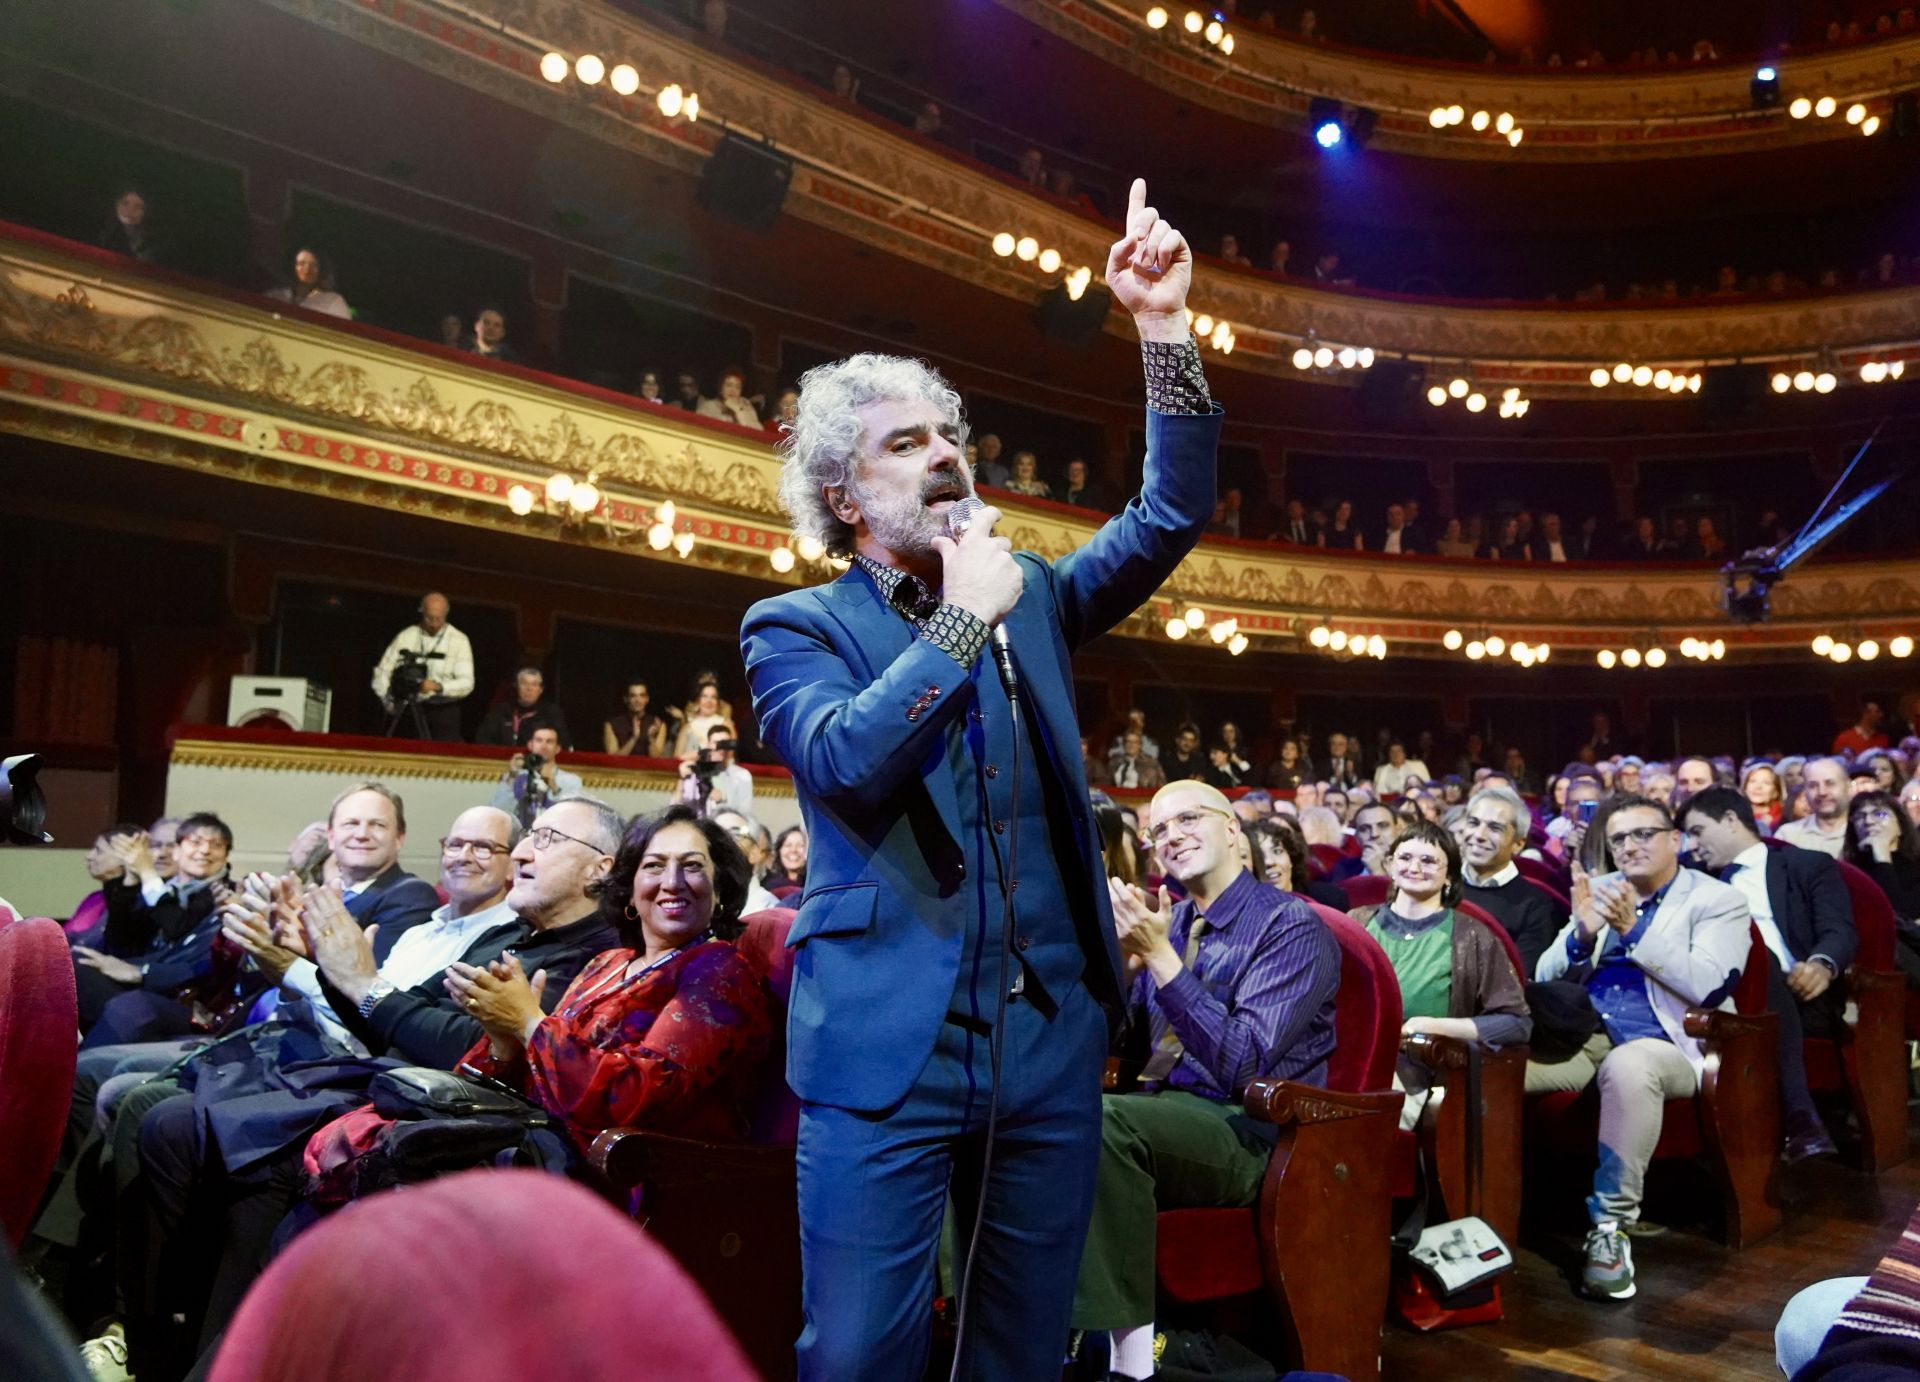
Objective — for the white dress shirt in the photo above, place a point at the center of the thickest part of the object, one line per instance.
(1749, 875)
(1388, 779)
(1494, 880)
(453, 669)
(420, 953)
(1807, 834)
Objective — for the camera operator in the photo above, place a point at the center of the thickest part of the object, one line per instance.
(534, 777)
(428, 667)
(711, 778)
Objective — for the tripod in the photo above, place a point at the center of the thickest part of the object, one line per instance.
(408, 705)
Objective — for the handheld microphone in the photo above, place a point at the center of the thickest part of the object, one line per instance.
(959, 518)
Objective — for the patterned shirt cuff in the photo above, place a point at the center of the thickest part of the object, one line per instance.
(957, 633)
(1175, 381)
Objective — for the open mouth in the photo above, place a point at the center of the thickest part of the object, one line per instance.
(947, 492)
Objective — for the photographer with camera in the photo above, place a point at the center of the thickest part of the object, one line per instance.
(534, 778)
(424, 675)
(710, 779)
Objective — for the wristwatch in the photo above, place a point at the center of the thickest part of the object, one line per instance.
(379, 989)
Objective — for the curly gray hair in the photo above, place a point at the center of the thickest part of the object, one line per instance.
(822, 446)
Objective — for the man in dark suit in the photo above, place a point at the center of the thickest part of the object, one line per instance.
(1396, 536)
(918, 783)
(1342, 768)
(1800, 905)
(1296, 527)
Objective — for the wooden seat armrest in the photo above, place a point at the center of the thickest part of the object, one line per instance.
(1860, 980)
(629, 1157)
(1441, 1054)
(1718, 1029)
(1289, 1101)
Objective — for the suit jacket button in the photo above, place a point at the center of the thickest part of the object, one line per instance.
(914, 713)
(999, 827)
(933, 692)
(1022, 942)
(992, 771)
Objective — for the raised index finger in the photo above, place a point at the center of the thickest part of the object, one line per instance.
(1136, 203)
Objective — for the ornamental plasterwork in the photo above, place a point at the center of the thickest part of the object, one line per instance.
(871, 169)
(1658, 112)
(116, 363)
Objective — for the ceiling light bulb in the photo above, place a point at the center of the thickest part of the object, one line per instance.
(1457, 388)
(1476, 650)
(1303, 358)
(1476, 402)
(1896, 369)
(1077, 285)
(520, 500)
(660, 537)
(1193, 21)
(1656, 657)
(1377, 646)
(1216, 31)
(1825, 106)
(1348, 357)
(1320, 636)
(1515, 135)
(1238, 643)
(1222, 336)
(1629, 657)
(554, 67)
(665, 513)
(1481, 120)
(1693, 382)
(1455, 114)
(1719, 649)
(1337, 640)
(1872, 372)
(670, 99)
(1868, 650)
(683, 543)
(1643, 375)
(1822, 644)
(559, 488)
(1196, 618)
(1803, 381)
(1220, 631)
(1437, 117)
(1689, 647)
(1541, 650)
(1870, 126)
(1520, 651)
(1157, 17)
(1226, 45)
(1622, 373)
(1782, 382)
(1495, 644)
(1842, 652)
(1203, 325)
(1027, 249)
(1504, 125)
(1176, 629)
(585, 497)
(1366, 357)
(589, 69)
(1452, 640)
(1801, 108)
(1049, 260)
(1824, 382)
(1323, 357)
(1901, 646)
(1663, 378)
(624, 79)
(1003, 244)
(1856, 113)
(781, 558)
(1606, 658)
(1436, 395)
(810, 548)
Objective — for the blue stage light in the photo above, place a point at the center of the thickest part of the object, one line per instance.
(1328, 134)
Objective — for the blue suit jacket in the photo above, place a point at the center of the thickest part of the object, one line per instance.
(858, 709)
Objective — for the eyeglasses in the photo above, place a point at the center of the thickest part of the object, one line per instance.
(1188, 821)
(1874, 815)
(483, 850)
(544, 837)
(1642, 835)
(1419, 861)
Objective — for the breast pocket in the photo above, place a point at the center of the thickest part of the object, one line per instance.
(844, 910)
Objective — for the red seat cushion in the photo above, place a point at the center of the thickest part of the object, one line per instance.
(1364, 890)
(1873, 918)
(39, 1020)
(1207, 1254)
(1366, 1012)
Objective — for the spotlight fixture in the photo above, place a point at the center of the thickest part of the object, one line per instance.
(1764, 89)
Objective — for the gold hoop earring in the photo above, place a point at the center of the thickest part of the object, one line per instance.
(633, 912)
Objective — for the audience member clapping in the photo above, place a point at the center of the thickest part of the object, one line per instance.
(489, 337)
(636, 731)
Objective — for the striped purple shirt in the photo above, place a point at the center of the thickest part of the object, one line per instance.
(1258, 1000)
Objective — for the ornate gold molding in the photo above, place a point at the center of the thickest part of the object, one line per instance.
(108, 360)
(882, 188)
(1606, 115)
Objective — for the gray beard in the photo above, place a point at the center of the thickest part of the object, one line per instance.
(902, 523)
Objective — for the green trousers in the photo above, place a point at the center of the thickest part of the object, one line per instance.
(1171, 1150)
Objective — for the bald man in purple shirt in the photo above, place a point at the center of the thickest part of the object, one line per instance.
(1236, 984)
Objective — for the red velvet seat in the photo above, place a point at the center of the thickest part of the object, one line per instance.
(39, 1044)
(1324, 858)
(729, 1212)
(1553, 895)
(1554, 875)
(1364, 890)
(1868, 1062)
(1325, 1199)
(1733, 1123)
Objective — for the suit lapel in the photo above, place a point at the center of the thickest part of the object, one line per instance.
(1777, 885)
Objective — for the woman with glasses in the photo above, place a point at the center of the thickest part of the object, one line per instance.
(1455, 978)
(668, 1031)
(1883, 841)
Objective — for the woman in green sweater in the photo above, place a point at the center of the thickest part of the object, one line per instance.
(1455, 977)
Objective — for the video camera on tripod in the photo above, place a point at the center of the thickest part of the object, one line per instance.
(404, 690)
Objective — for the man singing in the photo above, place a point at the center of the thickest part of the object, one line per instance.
(917, 782)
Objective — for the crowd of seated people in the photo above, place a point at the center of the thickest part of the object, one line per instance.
(234, 1028)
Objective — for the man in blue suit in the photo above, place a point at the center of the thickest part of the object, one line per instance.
(926, 798)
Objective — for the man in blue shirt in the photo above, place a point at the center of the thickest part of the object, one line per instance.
(1649, 942)
(1235, 984)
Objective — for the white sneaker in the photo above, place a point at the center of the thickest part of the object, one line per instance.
(106, 1356)
(1609, 1270)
